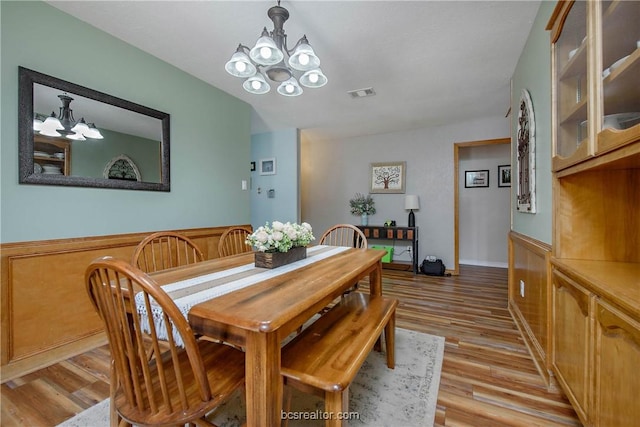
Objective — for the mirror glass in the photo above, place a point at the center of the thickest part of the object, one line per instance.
(97, 141)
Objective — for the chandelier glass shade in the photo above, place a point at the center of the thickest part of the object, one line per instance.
(65, 124)
(267, 57)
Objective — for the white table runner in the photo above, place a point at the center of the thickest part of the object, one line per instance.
(189, 292)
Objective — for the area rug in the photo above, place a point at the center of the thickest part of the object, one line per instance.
(405, 396)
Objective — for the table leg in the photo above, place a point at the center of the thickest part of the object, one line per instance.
(375, 280)
(263, 380)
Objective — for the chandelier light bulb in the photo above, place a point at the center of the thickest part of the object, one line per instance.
(289, 88)
(313, 77)
(241, 67)
(256, 84)
(265, 52)
(303, 58)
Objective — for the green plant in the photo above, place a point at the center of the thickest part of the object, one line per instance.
(361, 204)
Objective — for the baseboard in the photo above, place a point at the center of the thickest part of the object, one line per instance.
(484, 263)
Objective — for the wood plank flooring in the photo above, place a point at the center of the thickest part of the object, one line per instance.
(488, 378)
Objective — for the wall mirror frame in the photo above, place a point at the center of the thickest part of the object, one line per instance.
(27, 82)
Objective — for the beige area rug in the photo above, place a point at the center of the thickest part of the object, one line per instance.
(402, 397)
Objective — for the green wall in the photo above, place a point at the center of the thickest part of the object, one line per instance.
(90, 157)
(533, 73)
(210, 134)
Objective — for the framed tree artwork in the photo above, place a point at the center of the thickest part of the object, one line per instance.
(388, 177)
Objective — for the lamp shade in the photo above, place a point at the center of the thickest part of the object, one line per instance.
(314, 78)
(256, 84)
(240, 65)
(303, 57)
(265, 52)
(411, 201)
(93, 133)
(290, 88)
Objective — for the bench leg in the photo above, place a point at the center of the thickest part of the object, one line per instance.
(335, 403)
(390, 340)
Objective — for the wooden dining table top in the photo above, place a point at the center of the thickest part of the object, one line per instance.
(258, 317)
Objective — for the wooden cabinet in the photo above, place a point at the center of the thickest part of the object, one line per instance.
(617, 380)
(569, 61)
(571, 339)
(596, 195)
(596, 78)
(596, 348)
(51, 151)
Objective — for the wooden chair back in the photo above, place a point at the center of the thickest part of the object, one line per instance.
(344, 235)
(173, 385)
(233, 241)
(165, 249)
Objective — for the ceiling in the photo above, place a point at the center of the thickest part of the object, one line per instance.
(430, 63)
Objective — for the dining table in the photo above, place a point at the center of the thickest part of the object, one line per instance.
(258, 308)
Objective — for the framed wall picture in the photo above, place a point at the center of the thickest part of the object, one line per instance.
(388, 177)
(504, 176)
(268, 166)
(474, 179)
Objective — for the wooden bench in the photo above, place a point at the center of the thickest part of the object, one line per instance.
(326, 356)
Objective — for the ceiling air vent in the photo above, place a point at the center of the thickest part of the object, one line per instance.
(362, 93)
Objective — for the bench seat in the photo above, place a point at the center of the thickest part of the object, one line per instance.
(326, 356)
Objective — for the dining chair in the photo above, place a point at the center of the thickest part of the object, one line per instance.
(233, 241)
(344, 235)
(165, 249)
(178, 386)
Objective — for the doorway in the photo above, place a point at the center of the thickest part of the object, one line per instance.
(456, 203)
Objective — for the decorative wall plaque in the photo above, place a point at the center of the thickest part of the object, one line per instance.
(526, 191)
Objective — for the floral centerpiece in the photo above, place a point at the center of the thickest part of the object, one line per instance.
(280, 243)
(362, 205)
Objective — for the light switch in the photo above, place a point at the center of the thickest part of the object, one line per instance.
(244, 184)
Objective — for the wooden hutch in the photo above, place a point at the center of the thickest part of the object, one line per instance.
(595, 307)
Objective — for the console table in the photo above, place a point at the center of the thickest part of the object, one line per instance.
(381, 232)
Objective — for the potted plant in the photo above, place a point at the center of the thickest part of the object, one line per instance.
(280, 243)
(362, 205)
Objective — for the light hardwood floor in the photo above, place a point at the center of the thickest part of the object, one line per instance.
(488, 378)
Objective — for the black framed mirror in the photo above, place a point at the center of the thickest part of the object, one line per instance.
(124, 145)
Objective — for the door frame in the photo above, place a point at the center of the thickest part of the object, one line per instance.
(456, 192)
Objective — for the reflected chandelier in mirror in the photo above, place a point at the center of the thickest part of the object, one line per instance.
(57, 148)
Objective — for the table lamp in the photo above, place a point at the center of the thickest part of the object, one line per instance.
(411, 202)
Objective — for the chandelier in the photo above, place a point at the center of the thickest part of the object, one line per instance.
(268, 57)
(65, 125)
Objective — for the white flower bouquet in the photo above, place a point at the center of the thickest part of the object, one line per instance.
(281, 237)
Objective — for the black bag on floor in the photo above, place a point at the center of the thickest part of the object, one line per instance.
(433, 268)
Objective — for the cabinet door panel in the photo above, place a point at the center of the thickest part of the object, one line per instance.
(617, 368)
(571, 342)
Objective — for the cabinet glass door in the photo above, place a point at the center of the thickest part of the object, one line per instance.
(572, 83)
(620, 70)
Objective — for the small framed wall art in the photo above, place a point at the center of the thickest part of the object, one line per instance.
(268, 166)
(388, 177)
(474, 179)
(504, 176)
